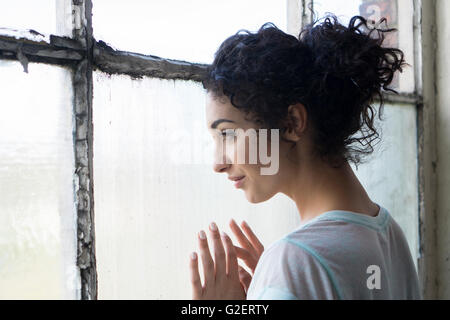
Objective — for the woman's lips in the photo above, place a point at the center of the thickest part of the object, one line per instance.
(238, 183)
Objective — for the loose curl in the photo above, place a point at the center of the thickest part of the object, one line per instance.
(335, 71)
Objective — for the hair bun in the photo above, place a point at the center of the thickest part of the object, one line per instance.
(354, 53)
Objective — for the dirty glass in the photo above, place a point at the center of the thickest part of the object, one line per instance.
(399, 15)
(37, 212)
(155, 187)
(43, 16)
(178, 29)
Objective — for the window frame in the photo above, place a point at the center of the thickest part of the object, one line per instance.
(84, 54)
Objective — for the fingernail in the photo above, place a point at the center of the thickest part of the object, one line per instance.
(223, 234)
(202, 235)
(213, 226)
(193, 256)
(244, 223)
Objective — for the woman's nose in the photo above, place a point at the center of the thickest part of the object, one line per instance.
(220, 161)
(220, 167)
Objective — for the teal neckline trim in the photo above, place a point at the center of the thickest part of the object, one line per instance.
(321, 261)
(377, 223)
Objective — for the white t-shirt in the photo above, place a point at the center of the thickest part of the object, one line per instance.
(338, 255)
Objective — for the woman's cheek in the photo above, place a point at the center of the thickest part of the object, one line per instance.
(236, 151)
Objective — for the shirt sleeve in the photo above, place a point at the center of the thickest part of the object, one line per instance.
(291, 271)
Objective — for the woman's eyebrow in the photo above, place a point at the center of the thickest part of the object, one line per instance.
(219, 121)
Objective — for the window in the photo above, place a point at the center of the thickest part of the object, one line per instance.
(37, 220)
(25, 14)
(183, 30)
(154, 187)
(105, 166)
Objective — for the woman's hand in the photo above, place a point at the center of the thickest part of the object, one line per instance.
(221, 275)
(249, 253)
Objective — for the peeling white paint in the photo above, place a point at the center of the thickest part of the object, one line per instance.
(25, 34)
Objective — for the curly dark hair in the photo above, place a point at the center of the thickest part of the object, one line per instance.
(336, 72)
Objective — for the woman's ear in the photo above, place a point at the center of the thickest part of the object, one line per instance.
(296, 122)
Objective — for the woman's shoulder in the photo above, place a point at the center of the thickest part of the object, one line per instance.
(334, 235)
(294, 248)
(293, 266)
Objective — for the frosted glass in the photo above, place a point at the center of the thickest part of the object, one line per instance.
(399, 15)
(37, 213)
(31, 14)
(390, 177)
(179, 29)
(155, 187)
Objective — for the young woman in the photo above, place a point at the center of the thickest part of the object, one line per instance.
(318, 90)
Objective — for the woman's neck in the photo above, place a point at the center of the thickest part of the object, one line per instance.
(317, 187)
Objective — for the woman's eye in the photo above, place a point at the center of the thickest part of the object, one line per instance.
(227, 133)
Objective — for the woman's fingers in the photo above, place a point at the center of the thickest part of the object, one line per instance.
(242, 239)
(247, 257)
(195, 277)
(242, 253)
(232, 264)
(245, 278)
(222, 272)
(219, 252)
(253, 238)
(207, 261)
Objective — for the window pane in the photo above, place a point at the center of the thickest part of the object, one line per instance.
(37, 212)
(178, 29)
(390, 175)
(399, 15)
(155, 187)
(38, 15)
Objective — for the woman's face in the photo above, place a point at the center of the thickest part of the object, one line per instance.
(222, 121)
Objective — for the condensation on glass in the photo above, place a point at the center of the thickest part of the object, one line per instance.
(37, 212)
(179, 29)
(399, 15)
(155, 187)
